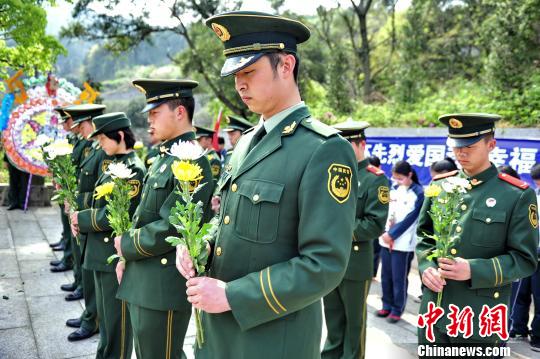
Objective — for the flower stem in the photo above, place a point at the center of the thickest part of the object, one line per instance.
(198, 325)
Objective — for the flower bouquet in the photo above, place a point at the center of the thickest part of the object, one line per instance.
(186, 216)
(445, 212)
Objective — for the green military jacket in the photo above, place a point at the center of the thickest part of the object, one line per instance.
(91, 168)
(215, 164)
(498, 235)
(284, 239)
(371, 213)
(151, 279)
(94, 221)
(81, 149)
(151, 156)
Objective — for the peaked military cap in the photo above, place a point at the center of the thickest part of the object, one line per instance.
(84, 112)
(248, 35)
(351, 129)
(237, 123)
(203, 132)
(109, 122)
(63, 115)
(465, 129)
(158, 92)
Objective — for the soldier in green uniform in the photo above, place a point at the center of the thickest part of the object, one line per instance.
(149, 282)
(66, 262)
(288, 206)
(81, 148)
(236, 125)
(345, 307)
(91, 168)
(116, 139)
(204, 136)
(65, 242)
(497, 233)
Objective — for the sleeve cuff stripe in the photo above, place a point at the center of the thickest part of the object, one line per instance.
(272, 291)
(264, 294)
(500, 269)
(495, 270)
(137, 242)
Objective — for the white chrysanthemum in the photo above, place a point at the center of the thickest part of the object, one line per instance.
(186, 150)
(42, 140)
(462, 183)
(119, 170)
(58, 148)
(448, 187)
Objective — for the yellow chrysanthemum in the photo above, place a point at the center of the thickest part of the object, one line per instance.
(432, 190)
(138, 145)
(104, 190)
(185, 171)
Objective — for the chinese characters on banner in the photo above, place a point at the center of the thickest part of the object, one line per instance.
(421, 152)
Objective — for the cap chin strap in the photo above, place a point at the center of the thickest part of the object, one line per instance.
(474, 134)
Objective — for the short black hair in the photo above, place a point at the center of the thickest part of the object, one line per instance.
(221, 140)
(275, 60)
(374, 161)
(535, 171)
(443, 166)
(187, 102)
(509, 171)
(129, 137)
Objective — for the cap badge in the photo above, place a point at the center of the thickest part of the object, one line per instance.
(455, 123)
(491, 202)
(221, 32)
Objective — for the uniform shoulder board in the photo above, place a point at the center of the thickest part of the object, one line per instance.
(319, 127)
(375, 170)
(444, 175)
(513, 181)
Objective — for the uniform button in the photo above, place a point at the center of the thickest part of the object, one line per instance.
(155, 185)
(234, 187)
(458, 229)
(356, 248)
(453, 251)
(463, 207)
(496, 295)
(227, 220)
(255, 198)
(106, 240)
(163, 261)
(488, 220)
(218, 251)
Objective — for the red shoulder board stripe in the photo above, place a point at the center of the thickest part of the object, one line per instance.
(513, 181)
(444, 175)
(375, 170)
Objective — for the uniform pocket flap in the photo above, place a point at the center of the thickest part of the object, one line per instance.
(489, 215)
(495, 293)
(261, 191)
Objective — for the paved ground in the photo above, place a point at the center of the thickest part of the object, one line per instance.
(33, 310)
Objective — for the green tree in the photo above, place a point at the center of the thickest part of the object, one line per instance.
(23, 41)
(512, 35)
(124, 32)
